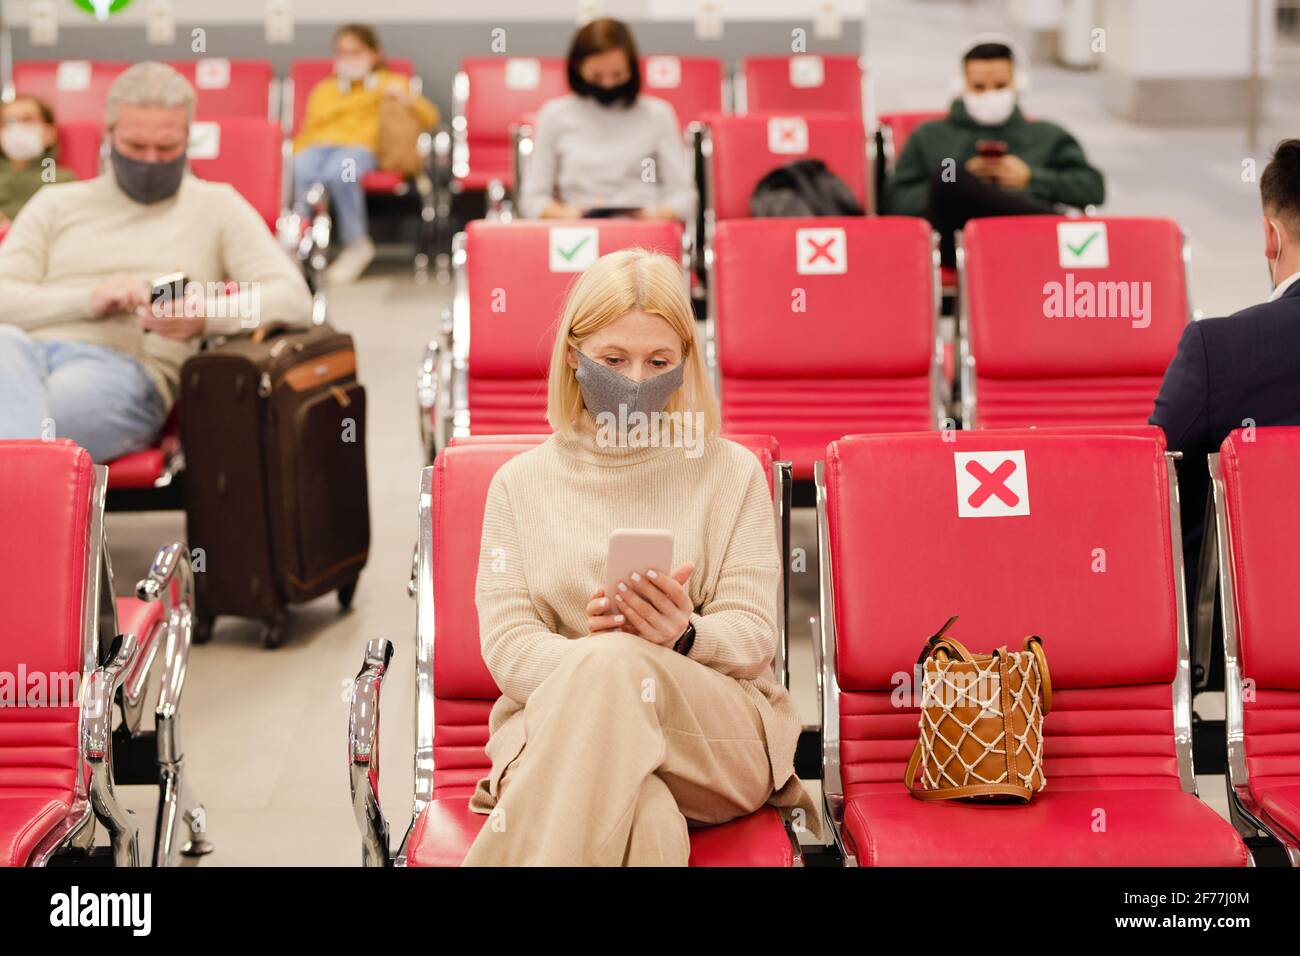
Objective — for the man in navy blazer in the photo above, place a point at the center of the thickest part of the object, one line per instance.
(1241, 370)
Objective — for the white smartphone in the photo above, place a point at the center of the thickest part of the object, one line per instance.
(639, 550)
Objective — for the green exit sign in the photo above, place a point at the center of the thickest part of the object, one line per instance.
(102, 9)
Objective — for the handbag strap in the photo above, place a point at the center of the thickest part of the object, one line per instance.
(1034, 644)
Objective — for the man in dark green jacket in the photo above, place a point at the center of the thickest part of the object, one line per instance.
(985, 159)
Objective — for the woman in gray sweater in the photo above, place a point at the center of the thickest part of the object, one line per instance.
(604, 146)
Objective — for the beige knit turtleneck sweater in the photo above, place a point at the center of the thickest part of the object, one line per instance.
(546, 528)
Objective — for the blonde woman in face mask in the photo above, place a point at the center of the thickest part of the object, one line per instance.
(623, 716)
(339, 137)
(29, 143)
(985, 158)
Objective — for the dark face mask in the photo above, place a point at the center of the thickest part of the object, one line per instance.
(605, 95)
(148, 182)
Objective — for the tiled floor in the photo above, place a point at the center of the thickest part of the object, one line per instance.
(265, 731)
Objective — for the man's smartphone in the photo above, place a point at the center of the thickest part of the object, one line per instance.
(639, 550)
(166, 290)
(991, 148)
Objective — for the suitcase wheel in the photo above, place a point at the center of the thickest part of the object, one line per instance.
(273, 632)
(346, 594)
(202, 632)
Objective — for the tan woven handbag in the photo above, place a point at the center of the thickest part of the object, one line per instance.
(981, 721)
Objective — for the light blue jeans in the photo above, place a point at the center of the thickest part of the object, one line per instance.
(102, 399)
(340, 168)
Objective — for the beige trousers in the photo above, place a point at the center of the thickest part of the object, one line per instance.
(625, 741)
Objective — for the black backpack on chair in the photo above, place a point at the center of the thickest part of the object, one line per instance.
(803, 188)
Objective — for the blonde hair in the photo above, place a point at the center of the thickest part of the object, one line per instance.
(629, 280)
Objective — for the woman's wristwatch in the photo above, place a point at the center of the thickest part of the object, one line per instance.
(684, 643)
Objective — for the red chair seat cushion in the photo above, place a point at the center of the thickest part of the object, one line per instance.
(139, 469)
(1283, 805)
(25, 819)
(1164, 827)
(444, 831)
(382, 181)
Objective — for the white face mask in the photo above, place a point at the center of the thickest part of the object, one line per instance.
(22, 141)
(351, 67)
(991, 108)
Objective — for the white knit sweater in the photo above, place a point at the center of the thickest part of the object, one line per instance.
(545, 532)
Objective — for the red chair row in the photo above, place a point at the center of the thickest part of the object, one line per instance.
(86, 657)
(492, 95)
(455, 692)
(825, 327)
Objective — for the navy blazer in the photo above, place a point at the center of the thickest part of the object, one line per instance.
(1228, 373)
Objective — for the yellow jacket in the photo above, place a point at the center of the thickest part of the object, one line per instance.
(335, 117)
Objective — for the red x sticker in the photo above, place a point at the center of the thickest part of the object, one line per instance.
(991, 484)
(820, 251)
(787, 134)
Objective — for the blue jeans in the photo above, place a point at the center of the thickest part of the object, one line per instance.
(340, 168)
(100, 398)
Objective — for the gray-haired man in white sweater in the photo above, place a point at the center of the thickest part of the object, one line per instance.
(84, 353)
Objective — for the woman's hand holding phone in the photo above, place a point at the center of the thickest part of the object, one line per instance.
(654, 606)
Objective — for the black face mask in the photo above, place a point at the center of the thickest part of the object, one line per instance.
(148, 182)
(625, 92)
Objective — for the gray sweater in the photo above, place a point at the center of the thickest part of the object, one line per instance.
(588, 155)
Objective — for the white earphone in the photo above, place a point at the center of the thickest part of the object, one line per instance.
(1020, 62)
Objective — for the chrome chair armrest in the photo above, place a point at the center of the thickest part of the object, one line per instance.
(363, 753)
(97, 745)
(172, 562)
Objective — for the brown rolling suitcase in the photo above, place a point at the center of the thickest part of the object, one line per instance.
(276, 504)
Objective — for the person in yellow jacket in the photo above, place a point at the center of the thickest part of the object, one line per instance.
(339, 137)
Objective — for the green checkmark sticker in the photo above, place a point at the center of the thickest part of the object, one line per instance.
(570, 253)
(1078, 250)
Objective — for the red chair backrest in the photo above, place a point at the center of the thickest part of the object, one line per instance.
(1028, 296)
(46, 501)
(502, 89)
(515, 298)
(307, 73)
(245, 153)
(903, 125)
(692, 84)
(1089, 568)
(228, 88)
(1259, 479)
(79, 146)
(801, 82)
(747, 148)
(76, 89)
(464, 690)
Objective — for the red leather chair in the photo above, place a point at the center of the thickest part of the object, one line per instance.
(741, 150)
(76, 89)
(893, 130)
(58, 751)
(692, 84)
(1121, 789)
(80, 146)
(455, 692)
(303, 77)
(1254, 493)
(487, 374)
(230, 88)
(247, 153)
(1028, 357)
(802, 82)
(862, 356)
(489, 95)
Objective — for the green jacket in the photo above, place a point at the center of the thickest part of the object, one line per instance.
(1059, 171)
(19, 185)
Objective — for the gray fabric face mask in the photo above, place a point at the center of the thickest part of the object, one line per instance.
(604, 390)
(147, 182)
